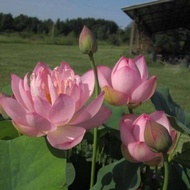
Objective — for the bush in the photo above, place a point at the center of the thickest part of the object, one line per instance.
(114, 40)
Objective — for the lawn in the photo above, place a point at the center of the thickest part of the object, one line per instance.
(20, 58)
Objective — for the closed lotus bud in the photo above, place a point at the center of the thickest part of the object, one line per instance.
(87, 41)
(157, 137)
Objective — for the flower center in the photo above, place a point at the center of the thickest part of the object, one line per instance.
(48, 98)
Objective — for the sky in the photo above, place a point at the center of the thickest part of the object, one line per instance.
(69, 9)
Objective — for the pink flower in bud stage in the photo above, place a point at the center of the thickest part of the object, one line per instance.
(157, 137)
(132, 130)
(54, 105)
(87, 41)
(127, 83)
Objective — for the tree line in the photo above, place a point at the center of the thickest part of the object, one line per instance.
(103, 29)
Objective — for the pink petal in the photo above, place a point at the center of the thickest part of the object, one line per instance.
(15, 111)
(26, 96)
(104, 76)
(115, 97)
(21, 91)
(141, 64)
(79, 96)
(52, 90)
(89, 81)
(38, 122)
(126, 154)
(132, 117)
(40, 66)
(66, 137)
(139, 127)
(40, 105)
(25, 83)
(122, 62)
(141, 152)
(102, 115)
(125, 80)
(15, 84)
(89, 111)
(126, 132)
(125, 62)
(160, 117)
(27, 130)
(144, 91)
(64, 66)
(62, 110)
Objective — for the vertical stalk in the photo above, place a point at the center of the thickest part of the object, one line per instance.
(97, 91)
(130, 110)
(166, 172)
(147, 172)
(97, 86)
(53, 31)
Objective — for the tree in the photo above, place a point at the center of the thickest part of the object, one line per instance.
(7, 23)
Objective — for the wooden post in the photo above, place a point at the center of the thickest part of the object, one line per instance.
(53, 31)
(132, 37)
(137, 39)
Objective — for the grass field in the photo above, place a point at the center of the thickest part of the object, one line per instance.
(20, 58)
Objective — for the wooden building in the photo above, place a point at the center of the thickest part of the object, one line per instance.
(158, 16)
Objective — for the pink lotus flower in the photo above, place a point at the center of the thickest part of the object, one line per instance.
(157, 137)
(87, 41)
(132, 130)
(127, 83)
(53, 105)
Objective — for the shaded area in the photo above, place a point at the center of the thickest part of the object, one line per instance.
(166, 23)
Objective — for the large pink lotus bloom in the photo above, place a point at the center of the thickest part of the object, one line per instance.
(53, 105)
(132, 130)
(127, 83)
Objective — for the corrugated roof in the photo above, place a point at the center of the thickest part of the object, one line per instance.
(160, 15)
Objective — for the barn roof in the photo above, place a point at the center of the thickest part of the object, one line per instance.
(159, 16)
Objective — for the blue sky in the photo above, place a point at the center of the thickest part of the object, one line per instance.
(63, 9)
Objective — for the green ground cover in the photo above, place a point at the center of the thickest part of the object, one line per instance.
(20, 58)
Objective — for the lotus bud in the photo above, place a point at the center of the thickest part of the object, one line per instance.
(157, 137)
(87, 41)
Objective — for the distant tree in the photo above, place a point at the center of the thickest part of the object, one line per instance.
(112, 27)
(7, 23)
(35, 23)
(46, 27)
(20, 23)
(103, 29)
(75, 25)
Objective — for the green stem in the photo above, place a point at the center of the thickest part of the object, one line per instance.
(97, 86)
(130, 110)
(147, 172)
(94, 154)
(166, 172)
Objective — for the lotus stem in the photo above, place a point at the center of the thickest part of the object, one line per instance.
(166, 172)
(94, 154)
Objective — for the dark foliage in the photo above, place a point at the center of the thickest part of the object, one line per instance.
(103, 29)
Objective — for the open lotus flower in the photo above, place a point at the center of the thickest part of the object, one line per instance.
(132, 129)
(127, 83)
(53, 105)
